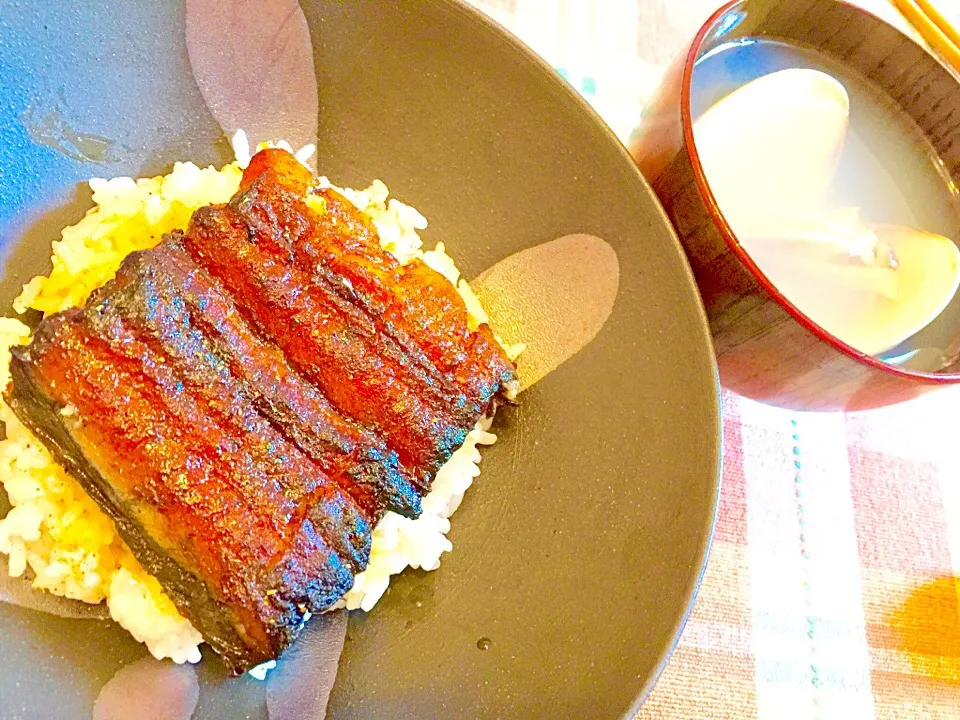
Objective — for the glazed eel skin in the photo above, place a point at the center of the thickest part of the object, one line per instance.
(248, 398)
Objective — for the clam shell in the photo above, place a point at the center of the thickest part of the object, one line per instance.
(870, 307)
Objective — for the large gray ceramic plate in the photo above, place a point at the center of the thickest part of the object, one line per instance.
(580, 549)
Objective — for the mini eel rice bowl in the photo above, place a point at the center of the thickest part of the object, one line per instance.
(252, 397)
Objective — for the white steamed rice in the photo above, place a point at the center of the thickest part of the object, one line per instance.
(57, 534)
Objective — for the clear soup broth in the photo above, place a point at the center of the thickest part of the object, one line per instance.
(886, 168)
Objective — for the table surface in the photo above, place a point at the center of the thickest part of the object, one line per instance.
(832, 588)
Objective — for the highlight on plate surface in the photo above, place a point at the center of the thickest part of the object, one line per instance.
(840, 201)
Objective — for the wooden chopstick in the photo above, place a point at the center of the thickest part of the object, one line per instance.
(934, 28)
(930, 10)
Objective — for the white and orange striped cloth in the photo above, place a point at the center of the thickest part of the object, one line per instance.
(832, 589)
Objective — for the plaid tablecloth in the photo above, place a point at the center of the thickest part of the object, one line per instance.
(832, 588)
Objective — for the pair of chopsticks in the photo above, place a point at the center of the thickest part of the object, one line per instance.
(933, 27)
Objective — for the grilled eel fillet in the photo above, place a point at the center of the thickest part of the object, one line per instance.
(248, 398)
